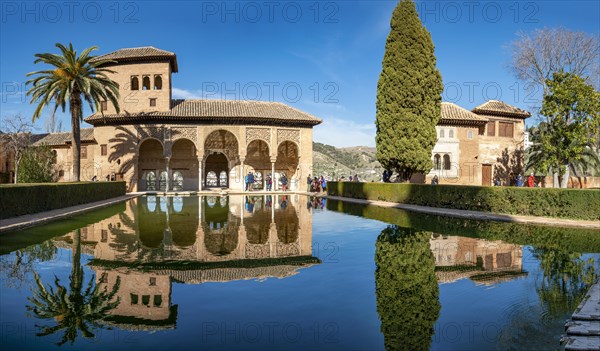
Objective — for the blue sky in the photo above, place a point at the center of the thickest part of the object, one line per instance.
(322, 57)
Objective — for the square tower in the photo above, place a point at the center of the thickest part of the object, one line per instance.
(144, 78)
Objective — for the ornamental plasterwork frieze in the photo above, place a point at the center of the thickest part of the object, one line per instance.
(288, 134)
(184, 132)
(152, 132)
(258, 133)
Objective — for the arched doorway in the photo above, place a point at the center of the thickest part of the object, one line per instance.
(258, 158)
(288, 158)
(222, 149)
(216, 170)
(151, 163)
(184, 164)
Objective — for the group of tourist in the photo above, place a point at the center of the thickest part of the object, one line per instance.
(316, 185)
(250, 180)
(350, 179)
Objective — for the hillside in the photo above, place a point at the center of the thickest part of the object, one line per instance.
(337, 162)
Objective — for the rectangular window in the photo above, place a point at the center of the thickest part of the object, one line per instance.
(61, 173)
(152, 281)
(104, 235)
(470, 135)
(103, 150)
(442, 133)
(491, 128)
(152, 102)
(146, 300)
(505, 129)
(83, 154)
(134, 299)
(103, 106)
(157, 300)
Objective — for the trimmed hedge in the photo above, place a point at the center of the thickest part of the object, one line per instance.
(547, 202)
(22, 199)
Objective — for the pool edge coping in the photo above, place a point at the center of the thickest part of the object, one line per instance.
(31, 220)
(487, 216)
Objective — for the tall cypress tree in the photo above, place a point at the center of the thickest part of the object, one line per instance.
(408, 96)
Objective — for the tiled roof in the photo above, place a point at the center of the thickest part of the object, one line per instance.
(145, 52)
(452, 114)
(500, 108)
(228, 111)
(64, 138)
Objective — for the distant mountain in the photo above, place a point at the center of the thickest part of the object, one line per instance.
(334, 162)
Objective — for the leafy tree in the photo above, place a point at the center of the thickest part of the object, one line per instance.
(408, 96)
(37, 165)
(406, 288)
(566, 141)
(72, 78)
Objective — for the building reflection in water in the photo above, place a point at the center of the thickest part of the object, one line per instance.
(192, 240)
(483, 261)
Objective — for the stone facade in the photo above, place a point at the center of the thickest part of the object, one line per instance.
(477, 147)
(155, 143)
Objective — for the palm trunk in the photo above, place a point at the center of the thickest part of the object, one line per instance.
(565, 178)
(75, 107)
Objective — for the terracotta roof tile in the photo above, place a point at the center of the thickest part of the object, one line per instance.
(500, 108)
(145, 52)
(64, 138)
(209, 110)
(452, 113)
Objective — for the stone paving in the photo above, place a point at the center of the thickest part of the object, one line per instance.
(486, 216)
(583, 330)
(30, 220)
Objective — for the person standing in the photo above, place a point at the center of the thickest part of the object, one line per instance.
(356, 177)
(520, 180)
(531, 180)
(247, 180)
(323, 184)
(284, 182)
(269, 182)
(309, 182)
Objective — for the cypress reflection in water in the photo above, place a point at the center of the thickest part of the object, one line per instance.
(406, 288)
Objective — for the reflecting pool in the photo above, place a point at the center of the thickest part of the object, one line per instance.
(288, 272)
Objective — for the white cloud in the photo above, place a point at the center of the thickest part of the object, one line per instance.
(344, 133)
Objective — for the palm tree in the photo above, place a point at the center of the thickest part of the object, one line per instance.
(72, 309)
(72, 78)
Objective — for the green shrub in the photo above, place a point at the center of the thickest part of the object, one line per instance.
(21, 199)
(548, 202)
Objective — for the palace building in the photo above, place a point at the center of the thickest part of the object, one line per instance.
(157, 143)
(479, 146)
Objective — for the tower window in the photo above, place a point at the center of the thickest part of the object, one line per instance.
(146, 83)
(153, 102)
(103, 106)
(135, 83)
(437, 162)
(157, 82)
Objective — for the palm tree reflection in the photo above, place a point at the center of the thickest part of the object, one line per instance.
(73, 309)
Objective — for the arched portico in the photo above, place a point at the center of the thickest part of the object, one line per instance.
(183, 166)
(221, 154)
(288, 159)
(151, 163)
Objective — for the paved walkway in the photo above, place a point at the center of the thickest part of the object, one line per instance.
(30, 220)
(583, 330)
(487, 216)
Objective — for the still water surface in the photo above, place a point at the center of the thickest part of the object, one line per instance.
(288, 272)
